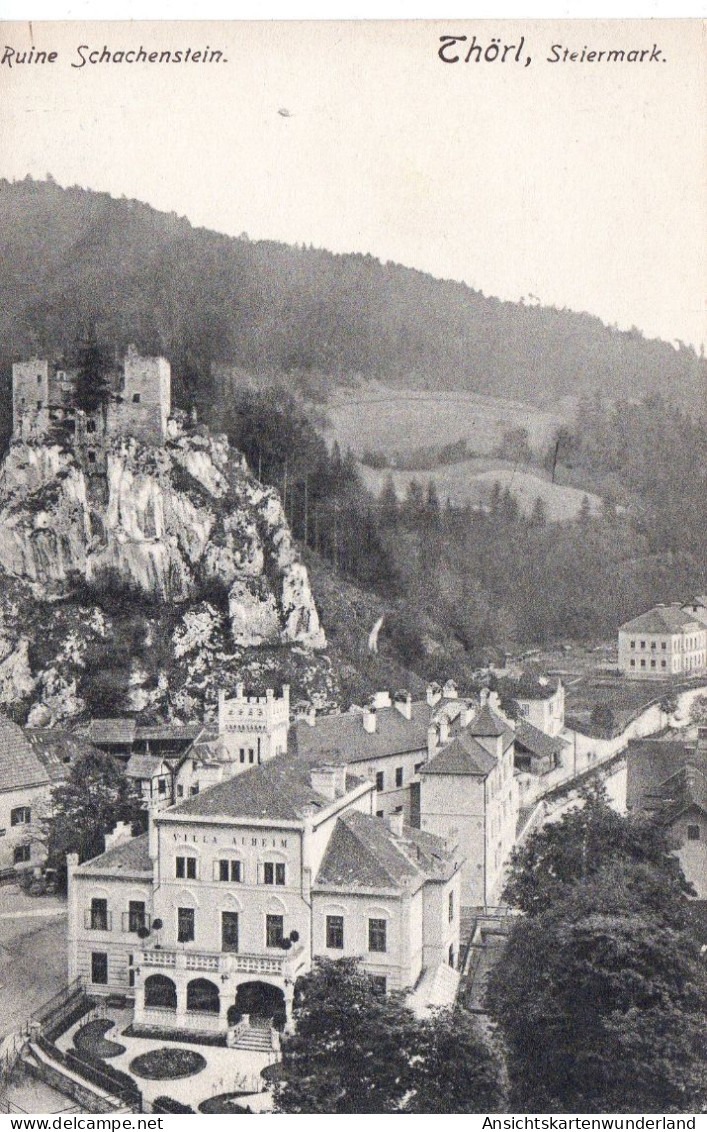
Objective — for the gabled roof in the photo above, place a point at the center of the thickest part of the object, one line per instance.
(279, 788)
(529, 686)
(486, 725)
(363, 853)
(111, 731)
(146, 766)
(538, 742)
(652, 762)
(464, 755)
(57, 750)
(342, 738)
(661, 619)
(20, 765)
(126, 859)
(684, 790)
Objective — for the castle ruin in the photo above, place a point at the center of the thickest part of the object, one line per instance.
(138, 404)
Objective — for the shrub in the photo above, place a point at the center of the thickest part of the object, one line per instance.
(91, 1039)
(167, 1063)
(168, 1104)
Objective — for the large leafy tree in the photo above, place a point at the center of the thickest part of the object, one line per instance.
(355, 1050)
(601, 995)
(570, 851)
(602, 1004)
(456, 1070)
(87, 805)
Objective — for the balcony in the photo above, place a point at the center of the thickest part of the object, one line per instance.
(283, 965)
(134, 921)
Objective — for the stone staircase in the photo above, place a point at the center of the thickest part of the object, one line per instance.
(255, 1036)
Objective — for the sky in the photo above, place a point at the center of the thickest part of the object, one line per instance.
(579, 183)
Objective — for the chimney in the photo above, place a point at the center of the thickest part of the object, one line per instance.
(328, 780)
(484, 694)
(450, 690)
(381, 699)
(443, 725)
(395, 823)
(120, 834)
(467, 713)
(369, 718)
(434, 694)
(240, 688)
(403, 702)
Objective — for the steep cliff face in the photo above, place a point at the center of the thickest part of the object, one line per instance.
(181, 536)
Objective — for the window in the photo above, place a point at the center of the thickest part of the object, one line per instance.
(451, 907)
(251, 755)
(180, 791)
(229, 871)
(39, 404)
(92, 457)
(99, 915)
(398, 776)
(90, 426)
(633, 644)
(693, 833)
(633, 664)
(377, 935)
(653, 645)
(274, 931)
(418, 767)
(380, 984)
(186, 868)
(185, 925)
(663, 645)
(162, 786)
(663, 664)
(21, 854)
(335, 932)
(194, 789)
(643, 644)
(229, 931)
(273, 873)
(131, 972)
(380, 780)
(380, 813)
(652, 664)
(643, 664)
(136, 398)
(99, 967)
(39, 379)
(242, 754)
(398, 810)
(450, 956)
(136, 915)
(21, 815)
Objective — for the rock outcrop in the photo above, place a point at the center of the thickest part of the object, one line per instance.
(183, 533)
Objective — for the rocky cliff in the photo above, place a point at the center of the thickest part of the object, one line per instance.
(140, 578)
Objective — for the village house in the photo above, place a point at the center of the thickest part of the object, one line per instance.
(32, 762)
(669, 640)
(138, 405)
(668, 778)
(210, 917)
(469, 793)
(540, 700)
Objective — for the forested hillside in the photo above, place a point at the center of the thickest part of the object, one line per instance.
(71, 256)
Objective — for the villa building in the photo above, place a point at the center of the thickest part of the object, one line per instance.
(669, 640)
(215, 913)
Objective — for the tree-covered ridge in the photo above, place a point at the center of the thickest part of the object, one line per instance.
(202, 298)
